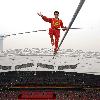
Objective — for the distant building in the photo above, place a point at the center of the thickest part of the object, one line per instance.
(1, 43)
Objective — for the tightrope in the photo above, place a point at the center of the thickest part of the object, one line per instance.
(7, 35)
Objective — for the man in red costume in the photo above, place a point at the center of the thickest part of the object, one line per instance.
(56, 23)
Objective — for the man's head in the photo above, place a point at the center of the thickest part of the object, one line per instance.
(56, 14)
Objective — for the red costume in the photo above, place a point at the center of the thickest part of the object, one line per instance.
(55, 24)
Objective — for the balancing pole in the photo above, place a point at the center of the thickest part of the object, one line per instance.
(72, 20)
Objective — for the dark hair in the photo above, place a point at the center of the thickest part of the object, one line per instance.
(56, 12)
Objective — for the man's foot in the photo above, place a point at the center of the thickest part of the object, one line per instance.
(55, 51)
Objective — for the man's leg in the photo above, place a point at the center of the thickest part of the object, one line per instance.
(56, 45)
(51, 36)
(57, 35)
(52, 40)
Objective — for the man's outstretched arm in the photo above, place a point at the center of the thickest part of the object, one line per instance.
(45, 18)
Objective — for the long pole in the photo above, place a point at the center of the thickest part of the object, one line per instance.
(72, 20)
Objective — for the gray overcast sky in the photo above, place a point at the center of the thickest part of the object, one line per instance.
(21, 15)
